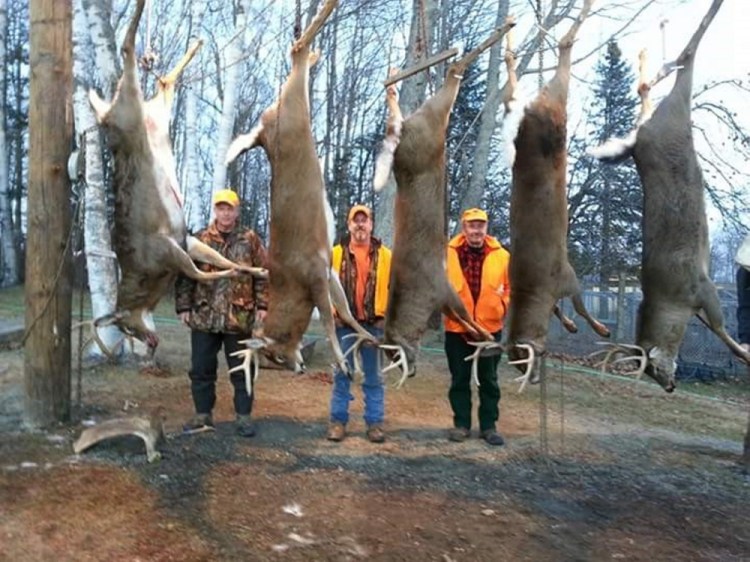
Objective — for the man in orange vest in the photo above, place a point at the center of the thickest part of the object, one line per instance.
(477, 267)
(363, 264)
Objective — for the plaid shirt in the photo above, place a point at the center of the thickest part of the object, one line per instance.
(471, 260)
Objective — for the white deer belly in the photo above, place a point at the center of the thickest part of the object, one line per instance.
(169, 190)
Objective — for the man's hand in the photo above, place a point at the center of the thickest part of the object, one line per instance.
(185, 318)
(745, 346)
(260, 316)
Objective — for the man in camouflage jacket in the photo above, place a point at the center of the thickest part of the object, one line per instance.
(222, 313)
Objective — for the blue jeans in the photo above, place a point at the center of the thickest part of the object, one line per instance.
(372, 386)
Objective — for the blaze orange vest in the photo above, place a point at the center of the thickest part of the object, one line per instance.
(382, 275)
(494, 295)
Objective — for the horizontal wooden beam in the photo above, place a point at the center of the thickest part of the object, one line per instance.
(426, 63)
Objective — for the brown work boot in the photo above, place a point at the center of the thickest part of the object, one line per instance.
(492, 437)
(458, 434)
(375, 434)
(243, 426)
(336, 431)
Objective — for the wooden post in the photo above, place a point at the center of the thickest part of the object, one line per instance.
(48, 258)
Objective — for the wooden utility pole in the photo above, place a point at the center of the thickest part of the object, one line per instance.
(48, 256)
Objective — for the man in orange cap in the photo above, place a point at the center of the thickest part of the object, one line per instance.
(364, 267)
(222, 313)
(477, 267)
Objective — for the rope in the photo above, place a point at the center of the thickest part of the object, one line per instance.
(297, 33)
(74, 223)
(149, 56)
(422, 40)
(81, 177)
(543, 441)
(79, 364)
(298, 21)
(562, 404)
(540, 48)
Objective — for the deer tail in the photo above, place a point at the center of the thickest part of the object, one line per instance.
(514, 112)
(243, 143)
(615, 150)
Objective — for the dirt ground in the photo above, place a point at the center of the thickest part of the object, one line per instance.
(628, 473)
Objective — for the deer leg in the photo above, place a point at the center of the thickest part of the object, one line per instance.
(180, 260)
(456, 311)
(322, 299)
(567, 323)
(710, 314)
(580, 308)
(443, 101)
(308, 35)
(128, 87)
(166, 83)
(197, 250)
(338, 299)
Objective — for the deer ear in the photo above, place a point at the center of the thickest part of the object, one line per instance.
(101, 107)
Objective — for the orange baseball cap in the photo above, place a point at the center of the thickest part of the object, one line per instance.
(474, 215)
(359, 209)
(226, 196)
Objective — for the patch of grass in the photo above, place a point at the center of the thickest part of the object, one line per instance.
(623, 400)
(11, 302)
(12, 305)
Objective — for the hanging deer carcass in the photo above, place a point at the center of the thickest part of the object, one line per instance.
(150, 237)
(299, 254)
(675, 262)
(415, 148)
(540, 273)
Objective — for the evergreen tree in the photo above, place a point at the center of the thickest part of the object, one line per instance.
(606, 200)
(461, 137)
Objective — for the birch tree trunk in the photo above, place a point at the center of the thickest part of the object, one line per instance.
(48, 264)
(488, 120)
(8, 251)
(100, 259)
(98, 17)
(191, 178)
(232, 67)
(411, 96)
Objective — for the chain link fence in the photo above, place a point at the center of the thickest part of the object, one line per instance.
(703, 356)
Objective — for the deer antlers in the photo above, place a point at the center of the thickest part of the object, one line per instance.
(613, 349)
